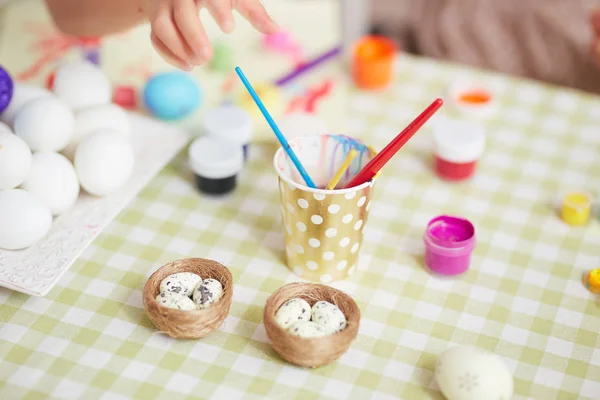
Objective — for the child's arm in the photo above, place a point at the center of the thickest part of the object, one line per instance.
(177, 33)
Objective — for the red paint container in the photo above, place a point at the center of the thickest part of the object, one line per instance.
(457, 149)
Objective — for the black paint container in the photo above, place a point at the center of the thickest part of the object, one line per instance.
(216, 163)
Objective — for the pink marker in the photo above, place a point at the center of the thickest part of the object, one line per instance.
(449, 243)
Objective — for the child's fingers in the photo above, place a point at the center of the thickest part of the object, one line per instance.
(254, 12)
(164, 28)
(168, 55)
(596, 21)
(187, 18)
(222, 13)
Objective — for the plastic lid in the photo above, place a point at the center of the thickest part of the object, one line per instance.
(301, 124)
(230, 123)
(457, 141)
(215, 158)
(6, 89)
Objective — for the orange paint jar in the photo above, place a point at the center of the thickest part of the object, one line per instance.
(373, 62)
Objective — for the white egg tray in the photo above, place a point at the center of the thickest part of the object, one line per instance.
(35, 270)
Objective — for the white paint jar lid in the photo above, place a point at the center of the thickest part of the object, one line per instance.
(458, 141)
(215, 158)
(230, 123)
(301, 124)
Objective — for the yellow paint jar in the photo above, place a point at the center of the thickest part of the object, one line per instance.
(591, 280)
(576, 208)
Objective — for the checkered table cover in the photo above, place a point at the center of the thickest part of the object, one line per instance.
(522, 299)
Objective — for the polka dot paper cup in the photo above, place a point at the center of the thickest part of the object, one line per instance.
(323, 228)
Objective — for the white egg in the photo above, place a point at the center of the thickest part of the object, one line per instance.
(470, 373)
(82, 84)
(22, 94)
(5, 128)
(15, 160)
(176, 301)
(45, 124)
(292, 311)
(207, 293)
(89, 120)
(53, 181)
(182, 282)
(104, 162)
(25, 219)
(328, 315)
(307, 329)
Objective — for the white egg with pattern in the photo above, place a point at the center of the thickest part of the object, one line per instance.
(175, 301)
(329, 316)
(183, 283)
(307, 330)
(207, 293)
(292, 311)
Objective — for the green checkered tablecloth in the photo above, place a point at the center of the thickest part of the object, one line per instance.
(522, 299)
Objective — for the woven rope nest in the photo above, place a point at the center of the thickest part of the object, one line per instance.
(193, 324)
(312, 352)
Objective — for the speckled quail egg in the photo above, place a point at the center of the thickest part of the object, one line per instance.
(53, 180)
(45, 124)
(24, 220)
(207, 293)
(292, 311)
(328, 315)
(176, 301)
(182, 283)
(82, 84)
(22, 94)
(470, 373)
(15, 160)
(307, 329)
(104, 162)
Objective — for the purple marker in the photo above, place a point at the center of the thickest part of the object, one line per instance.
(305, 67)
(449, 243)
(6, 89)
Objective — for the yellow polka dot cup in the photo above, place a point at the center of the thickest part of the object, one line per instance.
(323, 228)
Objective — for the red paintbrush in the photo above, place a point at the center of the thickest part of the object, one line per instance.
(374, 166)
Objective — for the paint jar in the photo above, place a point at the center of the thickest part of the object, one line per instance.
(449, 243)
(471, 99)
(373, 62)
(230, 123)
(216, 164)
(576, 208)
(591, 280)
(458, 146)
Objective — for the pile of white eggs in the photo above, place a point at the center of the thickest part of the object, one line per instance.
(187, 291)
(52, 145)
(300, 319)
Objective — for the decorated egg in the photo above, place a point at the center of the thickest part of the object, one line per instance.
(104, 162)
(176, 301)
(182, 282)
(470, 373)
(208, 293)
(15, 160)
(82, 84)
(307, 329)
(6, 89)
(25, 219)
(292, 311)
(45, 124)
(53, 181)
(22, 94)
(172, 95)
(328, 315)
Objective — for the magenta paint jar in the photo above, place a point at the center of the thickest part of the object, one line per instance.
(449, 243)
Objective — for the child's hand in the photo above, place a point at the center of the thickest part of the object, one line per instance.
(179, 37)
(596, 42)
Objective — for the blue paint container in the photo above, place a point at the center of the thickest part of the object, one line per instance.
(230, 123)
(216, 164)
(172, 96)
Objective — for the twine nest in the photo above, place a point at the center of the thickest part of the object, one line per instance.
(311, 352)
(192, 324)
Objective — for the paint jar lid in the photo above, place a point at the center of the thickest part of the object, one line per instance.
(215, 158)
(230, 123)
(6, 89)
(471, 99)
(458, 141)
(450, 233)
(301, 124)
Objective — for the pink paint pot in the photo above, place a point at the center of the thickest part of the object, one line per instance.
(449, 243)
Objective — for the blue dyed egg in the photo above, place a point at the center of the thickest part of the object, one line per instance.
(172, 95)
